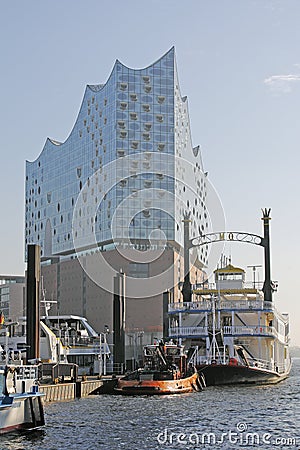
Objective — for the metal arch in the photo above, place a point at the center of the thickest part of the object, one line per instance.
(237, 236)
(228, 236)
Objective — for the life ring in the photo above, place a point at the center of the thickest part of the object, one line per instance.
(10, 381)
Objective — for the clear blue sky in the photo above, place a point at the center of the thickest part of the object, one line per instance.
(239, 65)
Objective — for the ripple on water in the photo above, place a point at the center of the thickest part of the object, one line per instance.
(114, 422)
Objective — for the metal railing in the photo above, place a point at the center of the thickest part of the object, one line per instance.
(197, 359)
(210, 286)
(115, 368)
(190, 306)
(203, 359)
(260, 364)
(266, 365)
(227, 330)
(79, 341)
(206, 305)
(245, 305)
(188, 331)
(250, 330)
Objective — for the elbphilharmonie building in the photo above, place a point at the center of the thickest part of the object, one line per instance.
(119, 186)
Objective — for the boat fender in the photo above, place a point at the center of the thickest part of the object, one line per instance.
(199, 384)
(195, 387)
(202, 378)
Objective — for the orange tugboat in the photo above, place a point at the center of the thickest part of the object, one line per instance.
(165, 371)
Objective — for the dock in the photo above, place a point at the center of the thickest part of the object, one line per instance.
(81, 388)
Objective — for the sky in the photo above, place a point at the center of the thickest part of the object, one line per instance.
(239, 65)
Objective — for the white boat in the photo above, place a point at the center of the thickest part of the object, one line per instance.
(236, 335)
(63, 339)
(82, 344)
(13, 338)
(21, 404)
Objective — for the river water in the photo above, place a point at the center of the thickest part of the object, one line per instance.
(264, 417)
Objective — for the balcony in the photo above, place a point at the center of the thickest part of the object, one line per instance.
(189, 307)
(223, 305)
(185, 332)
(250, 331)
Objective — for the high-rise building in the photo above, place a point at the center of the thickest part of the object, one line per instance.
(118, 188)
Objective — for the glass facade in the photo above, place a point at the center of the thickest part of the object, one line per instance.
(130, 152)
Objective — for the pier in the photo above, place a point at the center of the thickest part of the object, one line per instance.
(81, 388)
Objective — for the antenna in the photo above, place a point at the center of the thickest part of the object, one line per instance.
(254, 267)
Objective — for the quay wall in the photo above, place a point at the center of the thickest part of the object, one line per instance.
(70, 391)
(85, 388)
(58, 392)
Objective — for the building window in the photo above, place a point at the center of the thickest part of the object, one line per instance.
(138, 270)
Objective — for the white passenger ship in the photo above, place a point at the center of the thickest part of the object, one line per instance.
(82, 345)
(236, 336)
(63, 339)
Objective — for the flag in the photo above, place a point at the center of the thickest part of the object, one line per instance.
(2, 320)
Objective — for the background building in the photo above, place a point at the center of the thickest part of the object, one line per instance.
(116, 191)
(12, 296)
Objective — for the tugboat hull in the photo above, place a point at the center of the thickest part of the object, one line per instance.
(159, 387)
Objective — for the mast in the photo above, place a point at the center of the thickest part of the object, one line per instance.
(267, 288)
(33, 304)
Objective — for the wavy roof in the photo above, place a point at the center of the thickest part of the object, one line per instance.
(94, 88)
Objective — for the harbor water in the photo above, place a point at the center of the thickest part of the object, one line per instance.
(232, 417)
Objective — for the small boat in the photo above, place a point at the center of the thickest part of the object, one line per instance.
(165, 371)
(21, 404)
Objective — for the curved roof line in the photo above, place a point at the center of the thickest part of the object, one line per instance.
(229, 269)
(146, 67)
(94, 88)
(54, 142)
